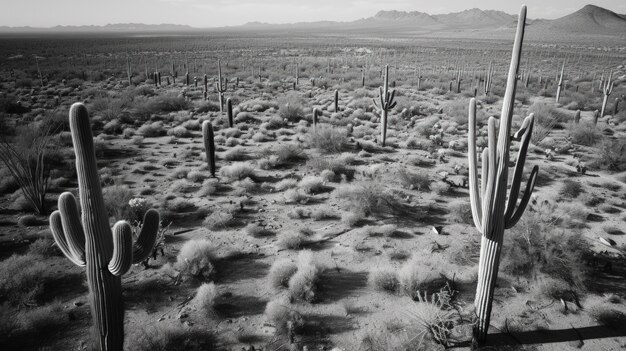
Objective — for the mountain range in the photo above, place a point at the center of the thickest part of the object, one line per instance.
(590, 20)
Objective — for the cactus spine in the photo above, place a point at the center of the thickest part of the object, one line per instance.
(386, 104)
(209, 145)
(560, 84)
(89, 242)
(229, 112)
(607, 89)
(222, 86)
(490, 211)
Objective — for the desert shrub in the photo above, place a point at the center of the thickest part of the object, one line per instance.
(292, 240)
(28, 220)
(421, 274)
(296, 196)
(546, 118)
(282, 317)
(279, 274)
(461, 212)
(436, 315)
(238, 171)
(384, 279)
(234, 154)
(179, 132)
(584, 134)
(290, 153)
(26, 279)
(368, 197)
(328, 139)
(219, 220)
(169, 102)
(151, 130)
(285, 184)
(338, 166)
(290, 107)
(323, 213)
(418, 181)
(612, 155)
(44, 247)
(536, 246)
(607, 311)
(205, 298)
(196, 258)
(208, 106)
(570, 188)
(116, 199)
(440, 188)
(312, 184)
(256, 230)
(303, 284)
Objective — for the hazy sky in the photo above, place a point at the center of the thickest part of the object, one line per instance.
(217, 13)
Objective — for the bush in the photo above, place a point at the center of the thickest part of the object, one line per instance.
(570, 188)
(303, 284)
(206, 294)
(234, 154)
(290, 107)
(219, 220)
(116, 200)
(281, 271)
(328, 139)
(179, 132)
(612, 155)
(584, 134)
(174, 337)
(152, 130)
(421, 274)
(367, 197)
(461, 212)
(291, 240)
(282, 317)
(385, 279)
(195, 259)
(418, 181)
(289, 153)
(238, 171)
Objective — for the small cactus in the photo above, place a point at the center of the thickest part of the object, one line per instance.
(209, 145)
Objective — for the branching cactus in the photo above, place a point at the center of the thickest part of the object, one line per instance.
(209, 145)
(559, 86)
(88, 242)
(221, 86)
(607, 89)
(491, 211)
(386, 104)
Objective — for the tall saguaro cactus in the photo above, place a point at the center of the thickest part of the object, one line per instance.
(491, 211)
(209, 145)
(560, 84)
(386, 104)
(607, 89)
(87, 240)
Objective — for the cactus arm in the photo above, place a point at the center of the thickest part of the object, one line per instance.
(530, 186)
(519, 168)
(518, 135)
(59, 237)
(72, 228)
(484, 173)
(122, 257)
(473, 169)
(147, 236)
(489, 193)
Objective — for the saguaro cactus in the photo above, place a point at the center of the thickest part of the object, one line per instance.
(129, 71)
(386, 104)
(89, 242)
(336, 100)
(488, 77)
(222, 86)
(560, 84)
(607, 89)
(316, 114)
(229, 112)
(209, 145)
(491, 213)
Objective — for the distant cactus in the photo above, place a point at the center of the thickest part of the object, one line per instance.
(386, 104)
(316, 113)
(222, 86)
(129, 71)
(491, 212)
(607, 89)
(577, 117)
(336, 100)
(107, 255)
(488, 79)
(560, 84)
(209, 145)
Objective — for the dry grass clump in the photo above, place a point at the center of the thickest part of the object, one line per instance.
(286, 183)
(584, 134)
(234, 154)
(312, 185)
(303, 284)
(608, 310)
(289, 153)
(284, 318)
(171, 337)
(281, 271)
(290, 107)
(323, 213)
(296, 196)
(238, 171)
(612, 155)
(414, 180)
(333, 169)
(205, 298)
(257, 231)
(219, 220)
(151, 130)
(179, 132)
(328, 139)
(116, 199)
(367, 197)
(461, 212)
(436, 315)
(570, 188)
(423, 273)
(292, 240)
(384, 279)
(196, 258)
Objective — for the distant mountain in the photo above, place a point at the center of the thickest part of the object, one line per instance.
(109, 28)
(588, 20)
(473, 23)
